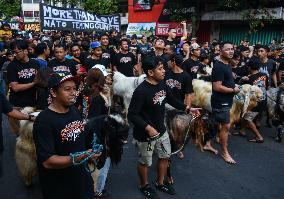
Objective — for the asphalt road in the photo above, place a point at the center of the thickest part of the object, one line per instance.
(259, 173)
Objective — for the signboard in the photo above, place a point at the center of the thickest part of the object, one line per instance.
(163, 28)
(140, 5)
(32, 26)
(140, 29)
(24, 26)
(56, 18)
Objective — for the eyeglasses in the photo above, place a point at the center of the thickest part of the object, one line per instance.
(16, 53)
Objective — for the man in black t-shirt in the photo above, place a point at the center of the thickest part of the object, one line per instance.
(21, 73)
(58, 133)
(96, 56)
(107, 52)
(60, 64)
(261, 80)
(192, 65)
(133, 47)
(146, 112)
(223, 90)
(172, 34)
(178, 80)
(267, 66)
(125, 61)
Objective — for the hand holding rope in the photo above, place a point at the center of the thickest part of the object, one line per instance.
(84, 157)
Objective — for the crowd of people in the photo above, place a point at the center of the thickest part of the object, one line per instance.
(65, 74)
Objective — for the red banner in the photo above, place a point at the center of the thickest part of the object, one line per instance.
(163, 28)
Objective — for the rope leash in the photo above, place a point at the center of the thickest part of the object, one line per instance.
(186, 135)
(96, 149)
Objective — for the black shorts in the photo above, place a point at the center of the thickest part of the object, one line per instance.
(221, 115)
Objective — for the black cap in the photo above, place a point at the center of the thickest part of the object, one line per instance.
(55, 79)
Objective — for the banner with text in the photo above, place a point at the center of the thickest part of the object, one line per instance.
(55, 18)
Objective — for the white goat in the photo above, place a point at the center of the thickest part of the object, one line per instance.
(124, 86)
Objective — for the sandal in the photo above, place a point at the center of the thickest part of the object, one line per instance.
(256, 140)
(239, 134)
(149, 192)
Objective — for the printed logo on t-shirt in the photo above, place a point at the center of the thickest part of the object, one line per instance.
(61, 69)
(172, 83)
(125, 60)
(194, 69)
(27, 73)
(264, 70)
(261, 83)
(106, 55)
(72, 131)
(159, 97)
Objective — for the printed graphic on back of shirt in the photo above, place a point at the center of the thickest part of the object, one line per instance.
(261, 83)
(172, 83)
(159, 97)
(72, 131)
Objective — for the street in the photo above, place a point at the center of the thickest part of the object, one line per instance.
(258, 174)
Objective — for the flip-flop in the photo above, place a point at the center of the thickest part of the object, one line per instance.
(255, 140)
(239, 134)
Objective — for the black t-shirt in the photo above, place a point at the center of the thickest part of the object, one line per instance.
(62, 134)
(180, 84)
(192, 67)
(22, 73)
(175, 42)
(164, 57)
(90, 62)
(147, 106)
(107, 56)
(260, 80)
(222, 72)
(268, 68)
(240, 71)
(125, 63)
(133, 48)
(67, 65)
(5, 107)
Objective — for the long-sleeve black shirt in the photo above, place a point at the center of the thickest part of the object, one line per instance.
(147, 107)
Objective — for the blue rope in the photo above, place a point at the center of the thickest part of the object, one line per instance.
(96, 149)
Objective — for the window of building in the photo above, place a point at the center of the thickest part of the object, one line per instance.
(27, 1)
(28, 13)
(36, 13)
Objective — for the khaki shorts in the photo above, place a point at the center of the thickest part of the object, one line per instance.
(161, 146)
(249, 116)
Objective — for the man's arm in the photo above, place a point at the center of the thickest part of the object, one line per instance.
(274, 79)
(217, 86)
(15, 86)
(19, 115)
(184, 36)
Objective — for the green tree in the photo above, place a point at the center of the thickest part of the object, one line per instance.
(101, 7)
(10, 8)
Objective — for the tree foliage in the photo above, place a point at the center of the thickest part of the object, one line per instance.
(10, 8)
(102, 7)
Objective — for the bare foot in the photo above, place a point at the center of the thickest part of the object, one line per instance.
(210, 149)
(228, 159)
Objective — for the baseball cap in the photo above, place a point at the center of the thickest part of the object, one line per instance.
(194, 46)
(102, 69)
(55, 79)
(95, 44)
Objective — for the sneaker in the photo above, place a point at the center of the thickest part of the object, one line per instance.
(103, 194)
(167, 188)
(149, 192)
